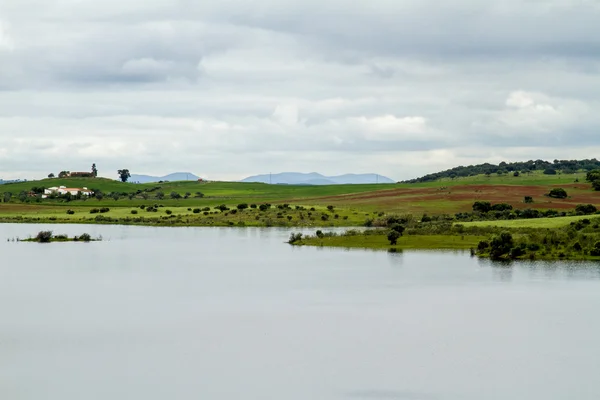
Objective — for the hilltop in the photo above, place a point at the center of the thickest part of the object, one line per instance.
(549, 168)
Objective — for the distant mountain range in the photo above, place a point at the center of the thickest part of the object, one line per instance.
(313, 178)
(176, 176)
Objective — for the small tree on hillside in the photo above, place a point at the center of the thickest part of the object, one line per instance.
(528, 199)
(94, 170)
(124, 174)
(51, 175)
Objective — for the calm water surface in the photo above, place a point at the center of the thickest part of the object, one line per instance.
(209, 313)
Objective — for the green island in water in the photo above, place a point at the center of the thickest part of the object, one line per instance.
(510, 211)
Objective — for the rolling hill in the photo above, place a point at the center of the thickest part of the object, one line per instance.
(314, 178)
(176, 176)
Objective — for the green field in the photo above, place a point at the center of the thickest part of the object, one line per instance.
(353, 204)
(550, 223)
(532, 178)
(407, 242)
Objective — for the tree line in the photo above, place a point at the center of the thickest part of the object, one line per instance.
(550, 168)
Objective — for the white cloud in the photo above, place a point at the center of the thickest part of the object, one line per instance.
(399, 87)
(6, 42)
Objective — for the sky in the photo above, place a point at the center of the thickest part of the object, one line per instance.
(230, 88)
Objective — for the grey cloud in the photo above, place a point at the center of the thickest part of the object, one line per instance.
(170, 85)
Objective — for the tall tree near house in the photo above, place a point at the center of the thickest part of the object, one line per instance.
(124, 174)
(94, 170)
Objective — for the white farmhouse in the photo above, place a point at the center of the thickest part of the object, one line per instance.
(64, 190)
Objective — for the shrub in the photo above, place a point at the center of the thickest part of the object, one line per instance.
(44, 236)
(558, 193)
(398, 228)
(84, 237)
(294, 238)
(104, 209)
(320, 234)
(196, 211)
(528, 199)
(252, 205)
(482, 206)
(242, 206)
(330, 208)
(516, 252)
(206, 213)
(393, 237)
(483, 245)
(168, 212)
(70, 212)
(584, 209)
(134, 211)
(501, 245)
(502, 207)
(142, 206)
(94, 211)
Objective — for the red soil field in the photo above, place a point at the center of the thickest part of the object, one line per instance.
(461, 198)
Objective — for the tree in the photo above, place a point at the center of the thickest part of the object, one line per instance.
(528, 199)
(593, 175)
(175, 195)
(94, 170)
(393, 237)
(50, 175)
(558, 193)
(549, 171)
(516, 173)
(585, 209)
(501, 245)
(160, 195)
(124, 174)
(7, 196)
(63, 174)
(482, 206)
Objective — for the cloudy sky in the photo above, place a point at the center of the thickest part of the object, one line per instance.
(231, 88)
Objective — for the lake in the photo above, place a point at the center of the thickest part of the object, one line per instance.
(217, 313)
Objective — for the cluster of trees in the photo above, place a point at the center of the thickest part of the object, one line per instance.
(564, 166)
(594, 177)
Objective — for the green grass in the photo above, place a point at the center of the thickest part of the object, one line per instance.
(416, 242)
(356, 202)
(556, 222)
(534, 178)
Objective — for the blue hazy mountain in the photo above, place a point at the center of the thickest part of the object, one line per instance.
(176, 176)
(314, 178)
